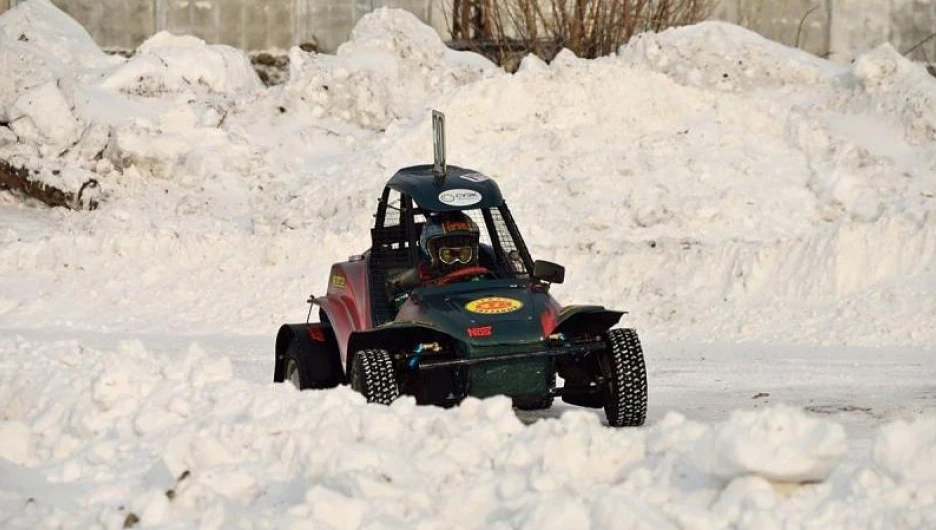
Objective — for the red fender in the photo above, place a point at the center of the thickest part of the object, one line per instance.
(347, 302)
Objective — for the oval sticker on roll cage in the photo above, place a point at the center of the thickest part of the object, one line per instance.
(493, 305)
(459, 197)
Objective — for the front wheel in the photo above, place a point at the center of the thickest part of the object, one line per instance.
(296, 369)
(625, 386)
(372, 375)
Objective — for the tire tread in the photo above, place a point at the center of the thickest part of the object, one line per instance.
(626, 403)
(375, 379)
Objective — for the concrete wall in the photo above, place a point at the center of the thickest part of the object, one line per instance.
(788, 21)
(833, 27)
(862, 24)
(328, 23)
(248, 24)
(917, 22)
(115, 23)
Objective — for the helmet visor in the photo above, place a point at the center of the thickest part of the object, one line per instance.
(450, 255)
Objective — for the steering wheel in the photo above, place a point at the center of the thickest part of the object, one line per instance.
(462, 274)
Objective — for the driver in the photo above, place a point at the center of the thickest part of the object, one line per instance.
(449, 249)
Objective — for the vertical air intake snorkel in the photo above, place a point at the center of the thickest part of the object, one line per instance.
(439, 169)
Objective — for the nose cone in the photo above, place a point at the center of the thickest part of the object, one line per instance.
(489, 316)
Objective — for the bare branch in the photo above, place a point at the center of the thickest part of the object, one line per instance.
(799, 28)
(504, 30)
(918, 45)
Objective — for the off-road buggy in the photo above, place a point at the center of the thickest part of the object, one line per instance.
(500, 334)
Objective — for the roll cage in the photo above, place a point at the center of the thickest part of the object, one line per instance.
(394, 244)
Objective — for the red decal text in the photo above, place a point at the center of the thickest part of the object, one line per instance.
(481, 331)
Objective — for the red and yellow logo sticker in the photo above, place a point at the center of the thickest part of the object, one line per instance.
(493, 305)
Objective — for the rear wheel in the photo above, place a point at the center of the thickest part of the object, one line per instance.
(625, 379)
(296, 369)
(372, 375)
(292, 374)
(310, 360)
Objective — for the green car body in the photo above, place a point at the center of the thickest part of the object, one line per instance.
(502, 334)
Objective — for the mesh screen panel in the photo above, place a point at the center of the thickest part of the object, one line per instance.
(509, 252)
(393, 209)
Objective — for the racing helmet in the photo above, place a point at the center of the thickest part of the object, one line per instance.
(449, 241)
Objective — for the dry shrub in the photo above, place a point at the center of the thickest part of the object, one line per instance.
(506, 30)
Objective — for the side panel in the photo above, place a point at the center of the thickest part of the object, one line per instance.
(588, 319)
(549, 316)
(347, 301)
(579, 374)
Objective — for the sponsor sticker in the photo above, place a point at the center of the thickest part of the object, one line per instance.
(459, 197)
(456, 226)
(338, 281)
(417, 322)
(481, 331)
(475, 177)
(493, 305)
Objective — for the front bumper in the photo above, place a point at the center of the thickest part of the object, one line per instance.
(571, 348)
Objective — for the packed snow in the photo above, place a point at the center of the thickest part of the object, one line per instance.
(766, 217)
(179, 440)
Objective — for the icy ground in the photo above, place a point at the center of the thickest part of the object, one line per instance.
(766, 216)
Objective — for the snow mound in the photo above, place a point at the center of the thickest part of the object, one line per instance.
(40, 25)
(80, 117)
(17, 442)
(40, 44)
(899, 86)
(42, 117)
(907, 450)
(178, 439)
(167, 63)
(398, 33)
(178, 91)
(802, 184)
(726, 57)
(781, 444)
(390, 68)
(790, 201)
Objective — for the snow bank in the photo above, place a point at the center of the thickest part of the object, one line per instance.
(898, 86)
(791, 201)
(167, 63)
(907, 450)
(38, 44)
(179, 440)
(723, 56)
(42, 117)
(389, 70)
(178, 91)
(43, 26)
(95, 119)
(780, 444)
